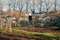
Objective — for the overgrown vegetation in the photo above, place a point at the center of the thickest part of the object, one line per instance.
(49, 23)
(46, 35)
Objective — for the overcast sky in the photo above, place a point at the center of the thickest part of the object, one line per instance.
(36, 7)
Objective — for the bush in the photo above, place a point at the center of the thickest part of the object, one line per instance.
(50, 23)
(37, 23)
(30, 23)
(25, 23)
(22, 22)
(58, 23)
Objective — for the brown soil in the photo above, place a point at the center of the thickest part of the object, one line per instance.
(14, 36)
(39, 29)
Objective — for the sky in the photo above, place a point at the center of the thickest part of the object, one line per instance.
(30, 4)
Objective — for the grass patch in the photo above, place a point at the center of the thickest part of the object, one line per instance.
(46, 35)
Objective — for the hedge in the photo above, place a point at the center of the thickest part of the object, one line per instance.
(49, 23)
(25, 23)
(58, 23)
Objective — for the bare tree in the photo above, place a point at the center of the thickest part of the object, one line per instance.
(40, 3)
(8, 25)
(0, 6)
(27, 2)
(20, 6)
(32, 7)
(55, 4)
(33, 11)
(0, 23)
(47, 6)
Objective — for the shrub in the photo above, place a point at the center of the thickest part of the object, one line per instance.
(58, 23)
(37, 24)
(50, 23)
(25, 23)
(22, 22)
(29, 23)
